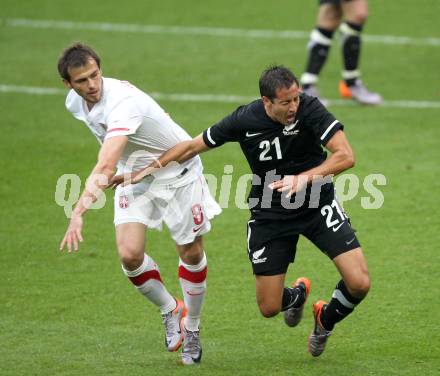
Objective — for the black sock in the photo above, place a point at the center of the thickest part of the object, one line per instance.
(318, 52)
(351, 49)
(293, 297)
(341, 305)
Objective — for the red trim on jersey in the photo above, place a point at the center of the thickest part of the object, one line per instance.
(144, 277)
(118, 129)
(194, 277)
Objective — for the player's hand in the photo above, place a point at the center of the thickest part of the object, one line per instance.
(290, 184)
(138, 176)
(116, 180)
(131, 178)
(123, 179)
(73, 234)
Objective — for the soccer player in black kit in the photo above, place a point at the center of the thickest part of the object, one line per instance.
(282, 135)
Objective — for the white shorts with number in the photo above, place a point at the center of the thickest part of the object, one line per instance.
(185, 210)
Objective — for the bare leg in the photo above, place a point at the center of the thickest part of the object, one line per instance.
(269, 291)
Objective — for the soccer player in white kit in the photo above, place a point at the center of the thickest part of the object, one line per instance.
(133, 131)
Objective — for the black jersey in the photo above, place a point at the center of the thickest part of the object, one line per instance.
(274, 150)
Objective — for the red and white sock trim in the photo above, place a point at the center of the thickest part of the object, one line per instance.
(148, 270)
(193, 282)
(194, 273)
(148, 282)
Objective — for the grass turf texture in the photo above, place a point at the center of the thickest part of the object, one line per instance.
(77, 314)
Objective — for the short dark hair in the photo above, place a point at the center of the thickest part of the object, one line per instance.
(274, 78)
(75, 56)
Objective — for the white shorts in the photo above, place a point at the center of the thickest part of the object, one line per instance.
(185, 210)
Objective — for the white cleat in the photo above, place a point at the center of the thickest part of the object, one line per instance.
(313, 91)
(192, 348)
(171, 321)
(359, 93)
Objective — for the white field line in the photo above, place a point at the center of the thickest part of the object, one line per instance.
(214, 98)
(203, 31)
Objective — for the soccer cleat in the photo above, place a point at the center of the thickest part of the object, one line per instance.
(318, 337)
(171, 321)
(293, 316)
(359, 93)
(192, 348)
(313, 91)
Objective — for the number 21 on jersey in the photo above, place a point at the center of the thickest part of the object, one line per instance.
(266, 146)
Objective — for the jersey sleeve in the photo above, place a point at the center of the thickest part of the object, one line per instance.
(224, 131)
(322, 123)
(124, 119)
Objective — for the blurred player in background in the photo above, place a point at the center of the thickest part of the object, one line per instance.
(282, 135)
(133, 130)
(350, 17)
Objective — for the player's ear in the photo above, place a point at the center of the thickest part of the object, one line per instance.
(67, 83)
(266, 100)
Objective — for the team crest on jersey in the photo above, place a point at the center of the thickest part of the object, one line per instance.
(289, 130)
(123, 202)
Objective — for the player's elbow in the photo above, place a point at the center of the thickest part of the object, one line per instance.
(348, 158)
(351, 160)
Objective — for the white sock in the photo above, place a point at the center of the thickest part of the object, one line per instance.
(193, 282)
(147, 280)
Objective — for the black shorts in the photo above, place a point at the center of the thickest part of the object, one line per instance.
(272, 243)
(334, 2)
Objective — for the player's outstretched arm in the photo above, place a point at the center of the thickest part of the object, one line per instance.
(341, 159)
(183, 151)
(179, 153)
(98, 180)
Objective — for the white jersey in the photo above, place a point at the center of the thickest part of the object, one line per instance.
(126, 110)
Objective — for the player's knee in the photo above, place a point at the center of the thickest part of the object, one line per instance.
(360, 286)
(329, 17)
(192, 257)
(130, 257)
(191, 253)
(360, 17)
(268, 310)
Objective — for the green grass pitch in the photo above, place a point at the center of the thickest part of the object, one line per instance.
(78, 315)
